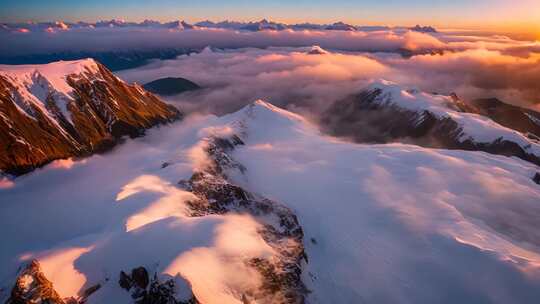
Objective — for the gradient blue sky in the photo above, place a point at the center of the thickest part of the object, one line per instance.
(450, 13)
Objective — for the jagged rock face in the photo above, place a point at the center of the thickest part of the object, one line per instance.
(281, 277)
(365, 119)
(33, 287)
(150, 291)
(41, 122)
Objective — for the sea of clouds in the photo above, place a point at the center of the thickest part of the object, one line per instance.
(300, 81)
(237, 67)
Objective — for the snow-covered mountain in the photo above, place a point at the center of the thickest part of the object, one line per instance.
(317, 50)
(386, 112)
(65, 109)
(259, 207)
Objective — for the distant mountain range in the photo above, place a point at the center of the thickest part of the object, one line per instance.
(254, 26)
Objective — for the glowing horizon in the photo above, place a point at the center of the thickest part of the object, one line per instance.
(492, 15)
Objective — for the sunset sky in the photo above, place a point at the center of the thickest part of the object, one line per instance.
(501, 15)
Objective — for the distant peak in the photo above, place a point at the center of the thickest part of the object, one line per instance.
(423, 29)
(207, 50)
(382, 84)
(317, 50)
(260, 106)
(260, 102)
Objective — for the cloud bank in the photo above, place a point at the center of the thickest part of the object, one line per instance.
(115, 39)
(274, 65)
(299, 80)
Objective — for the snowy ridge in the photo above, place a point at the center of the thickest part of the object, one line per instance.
(475, 127)
(261, 25)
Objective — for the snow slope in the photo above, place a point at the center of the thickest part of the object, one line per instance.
(128, 211)
(399, 223)
(382, 223)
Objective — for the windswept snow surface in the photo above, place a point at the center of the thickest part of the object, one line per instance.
(383, 223)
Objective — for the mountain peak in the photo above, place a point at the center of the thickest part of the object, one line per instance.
(261, 108)
(259, 103)
(317, 50)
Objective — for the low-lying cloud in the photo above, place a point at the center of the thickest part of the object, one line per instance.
(116, 39)
(285, 77)
(275, 65)
(300, 81)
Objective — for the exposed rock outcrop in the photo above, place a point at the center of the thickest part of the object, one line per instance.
(151, 291)
(33, 287)
(281, 277)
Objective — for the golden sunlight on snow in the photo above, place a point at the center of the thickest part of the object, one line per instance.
(217, 272)
(170, 204)
(59, 267)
